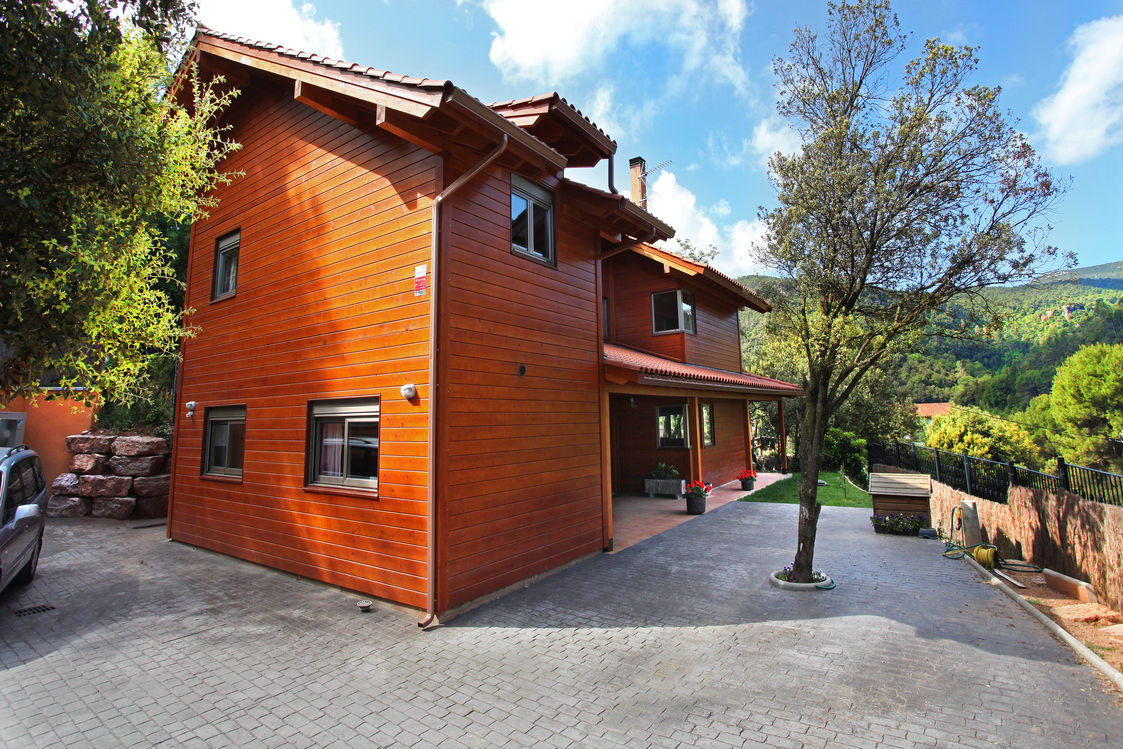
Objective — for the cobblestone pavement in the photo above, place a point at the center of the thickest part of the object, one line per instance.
(678, 640)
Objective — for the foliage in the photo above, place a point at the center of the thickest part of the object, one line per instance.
(982, 435)
(847, 451)
(837, 493)
(687, 249)
(899, 525)
(697, 490)
(1086, 404)
(817, 576)
(900, 202)
(664, 471)
(98, 163)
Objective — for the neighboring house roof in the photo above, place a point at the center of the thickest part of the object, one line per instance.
(931, 410)
(557, 122)
(655, 370)
(901, 484)
(691, 268)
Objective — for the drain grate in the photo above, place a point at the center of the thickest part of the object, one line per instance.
(31, 610)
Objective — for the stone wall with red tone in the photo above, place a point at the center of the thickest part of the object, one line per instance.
(112, 476)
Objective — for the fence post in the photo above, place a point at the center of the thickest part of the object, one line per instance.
(967, 473)
(1062, 473)
(1012, 472)
(915, 458)
(936, 458)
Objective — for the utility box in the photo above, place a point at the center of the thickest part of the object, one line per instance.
(901, 494)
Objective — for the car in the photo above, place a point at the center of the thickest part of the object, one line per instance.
(23, 512)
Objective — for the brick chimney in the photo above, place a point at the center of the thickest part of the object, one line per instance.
(636, 168)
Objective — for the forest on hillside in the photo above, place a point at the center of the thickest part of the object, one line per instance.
(1007, 371)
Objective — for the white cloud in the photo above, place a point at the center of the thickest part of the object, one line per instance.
(678, 206)
(770, 136)
(620, 121)
(553, 42)
(1085, 116)
(274, 21)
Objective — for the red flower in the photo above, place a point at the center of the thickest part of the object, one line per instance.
(748, 473)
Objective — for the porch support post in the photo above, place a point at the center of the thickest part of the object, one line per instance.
(783, 437)
(748, 436)
(605, 470)
(695, 440)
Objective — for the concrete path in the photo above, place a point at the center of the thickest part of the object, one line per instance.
(677, 641)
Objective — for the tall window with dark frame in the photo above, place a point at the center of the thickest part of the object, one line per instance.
(673, 430)
(225, 441)
(673, 312)
(226, 265)
(604, 315)
(708, 425)
(344, 443)
(532, 220)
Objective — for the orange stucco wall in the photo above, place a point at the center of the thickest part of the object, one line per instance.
(48, 424)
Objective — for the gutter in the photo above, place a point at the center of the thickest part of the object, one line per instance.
(434, 349)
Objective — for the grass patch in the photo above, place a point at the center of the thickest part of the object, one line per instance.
(834, 495)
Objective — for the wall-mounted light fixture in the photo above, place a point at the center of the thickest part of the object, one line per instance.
(409, 392)
(190, 405)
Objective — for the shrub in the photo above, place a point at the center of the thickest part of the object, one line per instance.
(899, 525)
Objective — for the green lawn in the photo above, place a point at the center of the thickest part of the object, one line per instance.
(787, 492)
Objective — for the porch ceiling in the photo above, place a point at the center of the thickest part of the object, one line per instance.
(629, 366)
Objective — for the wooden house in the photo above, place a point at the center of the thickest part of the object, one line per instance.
(424, 357)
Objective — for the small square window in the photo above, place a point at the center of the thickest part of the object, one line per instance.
(225, 448)
(532, 220)
(344, 443)
(673, 430)
(707, 425)
(673, 312)
(226, 265)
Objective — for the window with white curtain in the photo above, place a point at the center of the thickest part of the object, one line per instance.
(344, 443)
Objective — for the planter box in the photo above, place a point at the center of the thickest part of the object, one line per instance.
(673, 487)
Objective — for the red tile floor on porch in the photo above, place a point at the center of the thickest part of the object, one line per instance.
(636, 517)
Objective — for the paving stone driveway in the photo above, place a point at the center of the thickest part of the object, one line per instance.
(678, 640)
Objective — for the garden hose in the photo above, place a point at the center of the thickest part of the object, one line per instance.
(985, 554)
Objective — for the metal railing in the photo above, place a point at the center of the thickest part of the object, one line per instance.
(990, 479)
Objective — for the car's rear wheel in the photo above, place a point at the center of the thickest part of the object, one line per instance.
(27, 574)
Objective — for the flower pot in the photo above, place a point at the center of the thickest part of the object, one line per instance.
(695, 505)
(747, 484)
(674, 487)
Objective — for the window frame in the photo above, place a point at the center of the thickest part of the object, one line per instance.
(347, 411)
(224, 415)
(229, 243)
(684, 410)
(536, 197)
(680, 295)
(709, 426)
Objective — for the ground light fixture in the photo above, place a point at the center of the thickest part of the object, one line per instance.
(364, 605)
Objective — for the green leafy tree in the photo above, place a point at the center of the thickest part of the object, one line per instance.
(98, 163)
(904, 197)
(688, 250)
(1086, 404)
(965, 429)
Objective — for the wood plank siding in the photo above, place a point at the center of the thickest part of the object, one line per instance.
(723, 460)
(333, 222)
(520, 478)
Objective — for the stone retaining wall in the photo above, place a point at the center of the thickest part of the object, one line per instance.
(1061, 531)
(113, 476)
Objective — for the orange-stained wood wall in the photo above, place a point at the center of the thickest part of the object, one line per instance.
(520, 483)
(632, 279)
(49, 423)
(333, 221)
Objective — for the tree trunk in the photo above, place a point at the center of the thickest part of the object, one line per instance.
(812, 431)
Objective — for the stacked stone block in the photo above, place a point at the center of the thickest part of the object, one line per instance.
(113, 476)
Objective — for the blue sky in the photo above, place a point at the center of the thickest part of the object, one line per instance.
(690, 82)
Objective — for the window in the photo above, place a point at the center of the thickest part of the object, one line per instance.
(672, 312)
(226, 265)
(532, 220)
(673, 431)
(225, 440)
(344, 443)
(604, 315)
(707, 425)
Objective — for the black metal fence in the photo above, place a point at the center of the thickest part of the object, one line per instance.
(992, 480)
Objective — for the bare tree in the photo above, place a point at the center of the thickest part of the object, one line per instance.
(906, 195)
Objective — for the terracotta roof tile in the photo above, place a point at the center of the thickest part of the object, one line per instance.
(514, 103)
(930, 410)
(638, 361)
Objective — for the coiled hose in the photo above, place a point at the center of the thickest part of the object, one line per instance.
(985, 554)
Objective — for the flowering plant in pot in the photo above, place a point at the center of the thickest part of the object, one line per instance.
(696, 492)
(748, 478)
